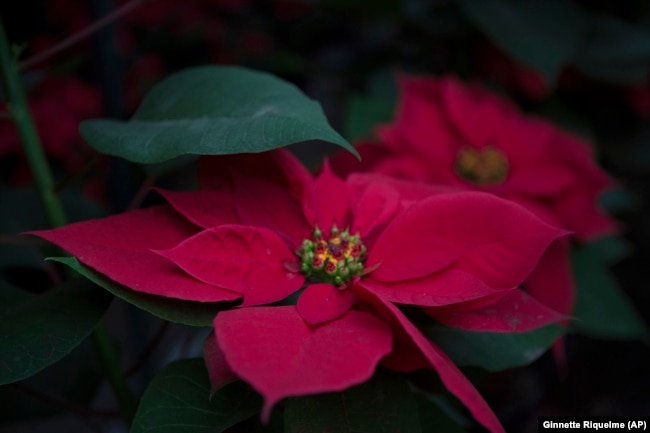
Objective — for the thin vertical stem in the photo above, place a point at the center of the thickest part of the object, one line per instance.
(77, 37)
(108, 358)
(17, 105)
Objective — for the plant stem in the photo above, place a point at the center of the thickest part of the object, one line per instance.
(17, 105)
(77, 37)
(108, 358)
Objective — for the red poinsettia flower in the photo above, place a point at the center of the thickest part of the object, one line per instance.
(463, 136)
(261, 228)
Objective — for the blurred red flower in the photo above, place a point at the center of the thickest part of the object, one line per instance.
(464, 137)
(261, 227)
(57, 105)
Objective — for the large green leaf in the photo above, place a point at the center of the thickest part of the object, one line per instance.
(178, 401)
(175, 310)
(213, 110)
(385, 404)
(43, 329)
(543, 34)
(615, 51)
(74, 380)
(602, 309)
(490, 350)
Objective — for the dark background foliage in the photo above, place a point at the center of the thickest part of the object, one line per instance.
(583, 64)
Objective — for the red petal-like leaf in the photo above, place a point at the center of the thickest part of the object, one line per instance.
(421, 124)
(277, 166)
(445, 287)
(247, 260)
(450, 375)
(330, 202)
(323, 302)
(514, 312)
(278, 354)
(345, 163)
(498, 241)
(375, 207)
(120, 247)
(204, 208)
(264, 204)
(476, 112)
(219, 371)
(551, 282)
(408, 190)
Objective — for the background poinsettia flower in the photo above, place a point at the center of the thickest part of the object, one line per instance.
(263, 228)
(463, 136)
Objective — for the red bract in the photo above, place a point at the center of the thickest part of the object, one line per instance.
(262, 228)
(464, 137)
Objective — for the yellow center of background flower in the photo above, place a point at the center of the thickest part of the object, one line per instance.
(486, 166)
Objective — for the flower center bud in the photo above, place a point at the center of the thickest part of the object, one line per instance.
(334, 259)
(487, 166)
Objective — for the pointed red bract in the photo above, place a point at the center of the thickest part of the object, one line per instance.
(374, 207)
(501, 246)
(243, 259)
(324, 302)
(204, 208)
(448, 286)
(219, 371)
(120, 247)
(450, 375)
(514, 312)
(278, 354)
(330, 201)
(551, 282)
(278, 166)
(263, 204)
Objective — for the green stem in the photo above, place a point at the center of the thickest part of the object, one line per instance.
(108, 358)
(17, 106)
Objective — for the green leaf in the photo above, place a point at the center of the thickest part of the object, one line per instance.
(45, 328)
(213, 110)
(609, 249)
(615, 51)
(602, 308)
(178, 401)
(74, 380)
(175, 310)
(385, 404)
(490, 350)
(543, 34)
